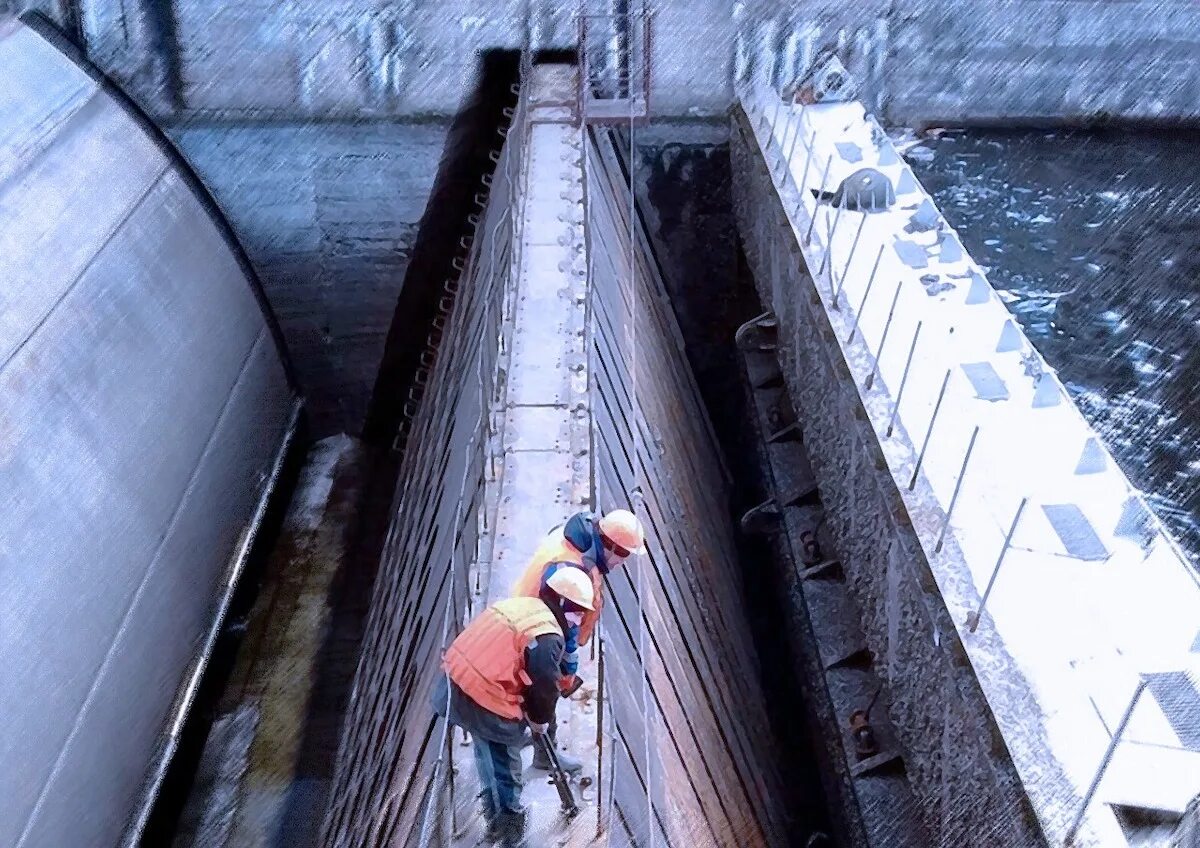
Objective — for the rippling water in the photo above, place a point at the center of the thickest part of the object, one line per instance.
(1093, 239)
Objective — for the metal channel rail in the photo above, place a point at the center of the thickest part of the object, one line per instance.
(394, 757)
(689, 736)
(537, 347)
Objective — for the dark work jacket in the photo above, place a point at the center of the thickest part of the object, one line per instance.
(542, 659)
(582, 530)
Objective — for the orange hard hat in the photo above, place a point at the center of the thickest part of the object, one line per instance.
(622, 528)
(574, 585)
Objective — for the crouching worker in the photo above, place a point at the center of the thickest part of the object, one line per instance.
(502, 678)
(592, 545)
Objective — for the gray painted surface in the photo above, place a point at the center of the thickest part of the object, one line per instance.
(328, 214)
(145, 408)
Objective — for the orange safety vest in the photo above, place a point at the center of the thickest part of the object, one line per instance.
(487, 660)
(555, 548)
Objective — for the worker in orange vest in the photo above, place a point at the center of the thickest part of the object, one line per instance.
(502, 676)
(595, 546)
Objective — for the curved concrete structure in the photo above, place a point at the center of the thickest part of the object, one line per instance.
(146, 408)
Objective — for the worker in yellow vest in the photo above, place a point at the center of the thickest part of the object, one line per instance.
(593, 545)
(502, 675)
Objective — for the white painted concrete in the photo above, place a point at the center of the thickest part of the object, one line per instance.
(1081, 627)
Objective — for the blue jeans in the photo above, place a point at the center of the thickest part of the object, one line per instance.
(499, 775)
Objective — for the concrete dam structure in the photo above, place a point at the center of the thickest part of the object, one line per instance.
(132, 495)
(897, 591)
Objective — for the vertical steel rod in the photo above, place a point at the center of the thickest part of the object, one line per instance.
(845, 268)
(792, 150)
(887, 325)
(774, 120)
(825, 260)
(804, 174)
(601, 694)
(1105, 760)
(912, 484)
(962, 473)
(903, 382)
(812, 223)
(973, 618)
(787, 125)
(866, 293)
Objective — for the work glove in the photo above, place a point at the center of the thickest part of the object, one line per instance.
(570, 663)
(568, 684)
(538, 729)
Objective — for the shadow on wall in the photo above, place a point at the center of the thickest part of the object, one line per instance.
(684, 197)
(473, 135)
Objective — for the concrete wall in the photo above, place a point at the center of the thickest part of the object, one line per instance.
(968, 790)
(927, 61)
(328, 214)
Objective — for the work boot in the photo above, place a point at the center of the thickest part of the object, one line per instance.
(491, 820)
(512, 827)
(566, 762)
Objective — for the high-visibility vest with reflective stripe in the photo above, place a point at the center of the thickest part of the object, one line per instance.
(555, 548)
(487, 660)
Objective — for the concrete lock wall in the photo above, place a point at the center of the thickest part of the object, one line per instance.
(926, 61)
(553, 316)
(692, 747)
(914, 385)
(320, 126)
(955, 756)
(146, 412)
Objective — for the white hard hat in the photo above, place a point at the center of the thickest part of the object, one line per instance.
(622, 528)
(574, 585)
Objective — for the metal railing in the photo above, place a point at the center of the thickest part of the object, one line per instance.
(614, 77)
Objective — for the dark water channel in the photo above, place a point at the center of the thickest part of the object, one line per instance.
(1093, 240)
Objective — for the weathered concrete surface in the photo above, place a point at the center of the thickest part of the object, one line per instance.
(955, 760)
(328, 214)
(926, 61)
(1032, 60)
(328, 211)
(1094, 596)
